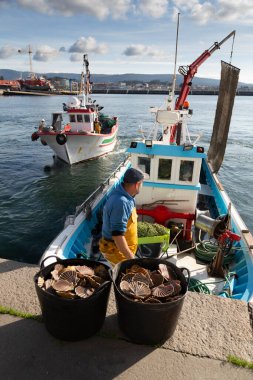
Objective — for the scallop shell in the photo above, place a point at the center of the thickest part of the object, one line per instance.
(40, 281)
(84, 270)
(55, 274)
(138, 300)
(157, 278)
(177, 287)
(139, 289)
(84, 292)
(62, 285)
(176, 284)
(70, 267)
(101, 271)
(128, 277)
(137, 269)
(98, 279)
(82, 282)
(163, 291)
(59, 267)
(70, 276)
(152, 300)
(92, 282)
(142, 278)
(164, 271)
(68, 294)
(125, 287)
(48, 283)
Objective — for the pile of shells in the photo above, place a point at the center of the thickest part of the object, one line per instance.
(157, 286)
(76, 281)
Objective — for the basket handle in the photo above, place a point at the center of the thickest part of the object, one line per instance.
(48, 257)
(188, 274)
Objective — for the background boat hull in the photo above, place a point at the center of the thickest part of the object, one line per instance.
(79, 147)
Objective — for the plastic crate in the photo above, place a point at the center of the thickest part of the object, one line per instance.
(154, 239)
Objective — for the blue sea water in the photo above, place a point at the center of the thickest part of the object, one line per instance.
(34, 202)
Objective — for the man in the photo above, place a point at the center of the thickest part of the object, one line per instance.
(119, 232)
(97, 126)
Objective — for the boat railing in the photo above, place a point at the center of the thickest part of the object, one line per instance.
(86, 206)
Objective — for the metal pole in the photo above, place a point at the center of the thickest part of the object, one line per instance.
(30, 60)
(175, 63)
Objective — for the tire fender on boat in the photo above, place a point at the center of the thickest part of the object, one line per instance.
(35, 136)
(43, 142)
(61, 139)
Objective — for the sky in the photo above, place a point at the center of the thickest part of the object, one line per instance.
(125, 36)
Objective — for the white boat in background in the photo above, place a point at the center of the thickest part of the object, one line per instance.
(180, 191)
(87, 134)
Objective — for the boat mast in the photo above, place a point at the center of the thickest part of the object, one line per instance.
(85, 87)
(32, 75)
(171, 102)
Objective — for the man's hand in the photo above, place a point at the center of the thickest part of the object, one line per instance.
(122, 246)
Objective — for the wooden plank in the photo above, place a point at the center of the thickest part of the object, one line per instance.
(249, 239)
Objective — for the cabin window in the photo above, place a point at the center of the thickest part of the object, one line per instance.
(72, 118)
(87, 118)
(79, 118)
(186, 170)
(144, 164)
(164, 169)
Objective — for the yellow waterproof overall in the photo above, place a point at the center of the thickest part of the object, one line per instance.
(109, 249)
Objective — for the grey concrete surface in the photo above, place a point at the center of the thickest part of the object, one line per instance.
(209, 329)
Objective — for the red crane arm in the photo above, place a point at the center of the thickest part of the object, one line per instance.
(189, 71)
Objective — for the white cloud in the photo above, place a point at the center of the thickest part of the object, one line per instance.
(153, 8)
(101, 9)
(88, 45)
(7, 52)
(133, 50)
(216, 10)
(44, 53)
(141, 50)
(76, 57)
(201, 11)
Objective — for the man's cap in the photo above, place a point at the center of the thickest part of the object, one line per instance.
(132, 176)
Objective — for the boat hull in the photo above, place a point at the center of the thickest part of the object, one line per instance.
(80, 147)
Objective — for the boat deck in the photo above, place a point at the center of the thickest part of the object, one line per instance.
(198, 271)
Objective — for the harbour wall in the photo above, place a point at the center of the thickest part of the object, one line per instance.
(119, 91)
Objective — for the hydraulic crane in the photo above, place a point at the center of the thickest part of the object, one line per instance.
(189, 72)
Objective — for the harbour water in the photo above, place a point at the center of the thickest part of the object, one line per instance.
(38, 192)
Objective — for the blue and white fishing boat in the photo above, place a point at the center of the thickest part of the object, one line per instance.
(182, 191)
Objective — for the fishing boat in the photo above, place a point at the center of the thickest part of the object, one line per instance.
(181, 191)
(34, 82)
(88, 133)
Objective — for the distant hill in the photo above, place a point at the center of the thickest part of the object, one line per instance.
(114, 78)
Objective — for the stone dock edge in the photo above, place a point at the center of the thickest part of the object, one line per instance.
(209, 330)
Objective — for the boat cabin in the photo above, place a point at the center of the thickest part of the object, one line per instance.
(171, 178)
(82, 120)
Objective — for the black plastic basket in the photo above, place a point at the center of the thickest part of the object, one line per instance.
(73, 319)
(147, 323)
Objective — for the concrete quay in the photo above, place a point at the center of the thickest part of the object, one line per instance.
(209, 329)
